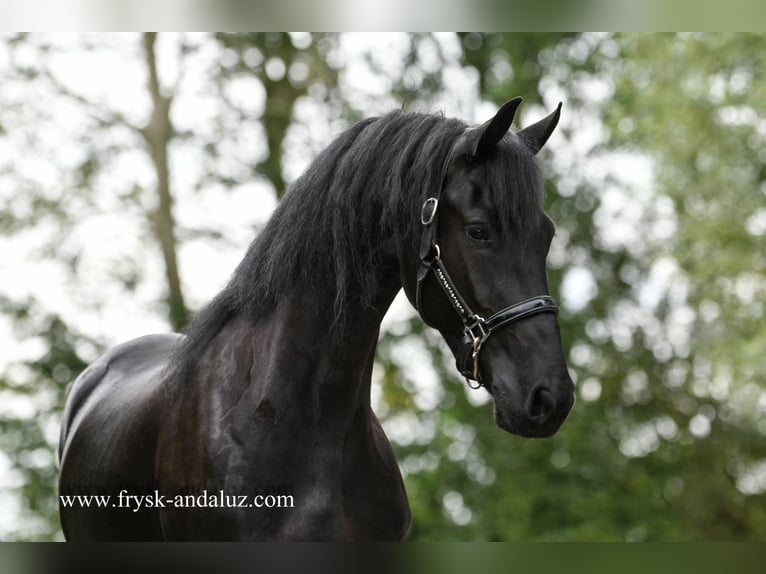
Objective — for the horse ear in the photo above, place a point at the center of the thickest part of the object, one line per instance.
(537, 134)
(493, 130)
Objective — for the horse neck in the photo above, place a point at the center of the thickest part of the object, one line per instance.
(299, 362)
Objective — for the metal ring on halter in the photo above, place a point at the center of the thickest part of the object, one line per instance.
(427, 217)
(473, 383)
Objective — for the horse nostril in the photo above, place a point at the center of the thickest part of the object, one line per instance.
(541, 404)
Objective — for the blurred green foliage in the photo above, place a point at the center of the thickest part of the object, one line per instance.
(666, 441)
(671, 448)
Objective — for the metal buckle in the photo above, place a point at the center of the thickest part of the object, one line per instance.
(428, 212)
(477, 340)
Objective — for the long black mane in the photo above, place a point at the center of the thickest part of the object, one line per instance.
(359, 199)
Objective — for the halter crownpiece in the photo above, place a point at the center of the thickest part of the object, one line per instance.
(476, 329)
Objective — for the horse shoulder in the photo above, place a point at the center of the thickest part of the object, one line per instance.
(130, 370)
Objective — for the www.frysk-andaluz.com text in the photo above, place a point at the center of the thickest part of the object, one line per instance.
(136, 502)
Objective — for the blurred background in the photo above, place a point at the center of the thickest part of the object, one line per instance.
(136, 168)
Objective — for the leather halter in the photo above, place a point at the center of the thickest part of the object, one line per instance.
(476, 329)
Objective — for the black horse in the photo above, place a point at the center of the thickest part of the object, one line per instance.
(268, 393)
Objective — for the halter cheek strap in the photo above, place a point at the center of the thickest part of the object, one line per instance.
(476, 329)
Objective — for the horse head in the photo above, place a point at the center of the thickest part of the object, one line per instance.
(482, 278)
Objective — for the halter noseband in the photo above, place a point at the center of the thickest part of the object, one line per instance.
(476, 329)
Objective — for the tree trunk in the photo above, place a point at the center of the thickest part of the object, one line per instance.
(158, 133)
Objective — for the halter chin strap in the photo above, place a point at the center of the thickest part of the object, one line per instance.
(476, 329)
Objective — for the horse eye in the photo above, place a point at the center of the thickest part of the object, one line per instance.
(478, 234)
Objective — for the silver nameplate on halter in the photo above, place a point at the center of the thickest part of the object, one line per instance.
(428, 213)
